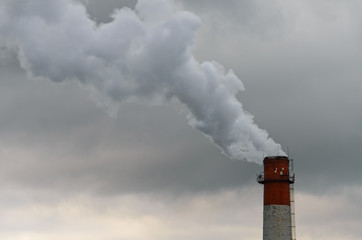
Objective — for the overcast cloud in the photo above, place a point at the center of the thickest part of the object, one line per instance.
(70, 170)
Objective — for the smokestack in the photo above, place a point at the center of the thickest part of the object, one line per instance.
(278, 216)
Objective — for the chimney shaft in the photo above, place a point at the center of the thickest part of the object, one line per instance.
(277, 211)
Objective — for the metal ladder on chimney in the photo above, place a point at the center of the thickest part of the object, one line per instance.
(292, 211)
(292, 198)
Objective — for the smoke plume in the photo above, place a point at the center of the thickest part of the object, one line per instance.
(142, 55)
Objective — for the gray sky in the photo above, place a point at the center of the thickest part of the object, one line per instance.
(72, 170)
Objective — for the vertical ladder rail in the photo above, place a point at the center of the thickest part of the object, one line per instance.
(292, 211)
(292, 199)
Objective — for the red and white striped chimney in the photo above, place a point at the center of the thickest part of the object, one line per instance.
(278, 185)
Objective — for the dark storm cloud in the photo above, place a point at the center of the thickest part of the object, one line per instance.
(300, 66)
(306, 94)
(54, 136)
(101, 11)
(251, 17)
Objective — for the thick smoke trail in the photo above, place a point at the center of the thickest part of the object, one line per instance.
(143, 55)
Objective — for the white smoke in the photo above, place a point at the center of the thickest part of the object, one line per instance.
(143, 55)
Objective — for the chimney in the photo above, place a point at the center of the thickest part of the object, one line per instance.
(278, 215)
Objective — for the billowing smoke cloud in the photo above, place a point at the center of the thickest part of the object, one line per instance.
(143, 55)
